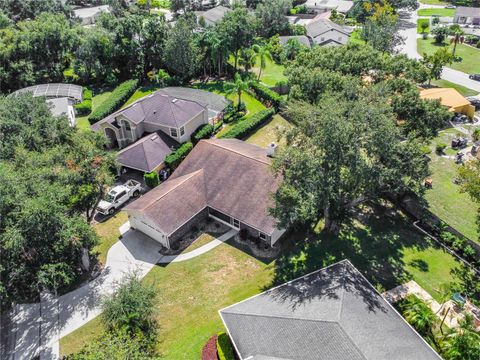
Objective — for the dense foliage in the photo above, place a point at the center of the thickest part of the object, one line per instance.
(116, 99)
(248, 124)
(151, 179)
(203, 132)
(176, 157)
(51, 178)
(267, 96)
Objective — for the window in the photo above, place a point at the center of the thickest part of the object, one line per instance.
(173, 132)
(126, 124)
(262, 236)
(219, 215)
(236, 224)
(120, 195)
(182, 131)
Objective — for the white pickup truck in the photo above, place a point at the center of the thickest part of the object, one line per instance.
(117, 196)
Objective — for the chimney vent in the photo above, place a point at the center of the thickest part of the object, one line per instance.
(271, 149)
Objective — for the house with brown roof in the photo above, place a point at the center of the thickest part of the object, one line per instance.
(228, 180)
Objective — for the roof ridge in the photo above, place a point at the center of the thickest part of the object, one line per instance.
(217, 144)
(285, 317)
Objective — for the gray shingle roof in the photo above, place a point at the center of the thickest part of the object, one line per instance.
(333, 313)
(147, 153)
(467, 11)
(205, 98)
(320, 26)
(215, 14)
(237, 181)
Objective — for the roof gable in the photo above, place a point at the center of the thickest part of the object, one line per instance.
(320, 26)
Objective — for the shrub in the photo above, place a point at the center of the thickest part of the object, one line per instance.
(83, 108)
(233, 113)
(469, 252)
(116, 99)
(266, 96)
(224, 347)
(218, 126)
(203, 132)
(151, 179)
(87, 94)
(440, 147)
(249, 124)
(476, 134)
(209, 351)
(176, 157)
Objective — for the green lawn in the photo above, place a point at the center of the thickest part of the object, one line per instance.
(419, 26)
(356, 38)
(82, 122)
(142, 92)
(108, 231)
(189, 294)
(444, 198)
(469, 56)
(434, 2)
(461, 89)
(436, 12)
(272, 74)
(268, 133)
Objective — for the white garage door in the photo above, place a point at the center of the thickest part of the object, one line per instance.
(142, 226)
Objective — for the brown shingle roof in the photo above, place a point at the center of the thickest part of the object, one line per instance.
(237, 181)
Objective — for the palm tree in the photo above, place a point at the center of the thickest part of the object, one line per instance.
(263, 56)
(419, 315)
(247, 59)
(462, 342)
(457, 33)
(238, 86)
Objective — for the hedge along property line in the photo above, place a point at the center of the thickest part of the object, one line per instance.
(204, 131)
(116, 99)
(224, 347)
(85, 107)
(176, 157)
(248, 124)
(267, 96)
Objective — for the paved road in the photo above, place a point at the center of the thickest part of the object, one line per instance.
(408, 29)
(38, 327)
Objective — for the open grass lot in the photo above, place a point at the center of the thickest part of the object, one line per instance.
(419, 26)
(436, 12)
(381, 243)
(445, 199)
(82, 122)
(272, 74)
(470, 56)
(268, 133)
(461, 89)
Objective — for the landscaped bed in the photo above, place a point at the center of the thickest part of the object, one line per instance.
(436, 12)
(97, 100)
(383, 246)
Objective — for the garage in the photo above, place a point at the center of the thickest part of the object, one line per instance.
(140, 223)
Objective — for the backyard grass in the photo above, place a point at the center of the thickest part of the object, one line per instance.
(356, 38)
(461, 89)
(434, 2)
(142, 92)
(419, 26)
(445, 199)
(82, 122)
(189, 294)
(470, 56)
(272, 74)
(109, 233)
(436, 12)
(268, 133)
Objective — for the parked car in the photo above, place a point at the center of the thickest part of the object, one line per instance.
(475, 101)
(450, 6)
(460, 118)
(459, 143)
(118, 196)
(475, 77)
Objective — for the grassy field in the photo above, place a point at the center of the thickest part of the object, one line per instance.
(272, 74)
(356, 38)
(189, 294)
(436, 12)
(444, 198)
(469, 56)
(82, 122)
(434, 2)
(461, 89)
(268, 133)
(108, 231)
(419, 26)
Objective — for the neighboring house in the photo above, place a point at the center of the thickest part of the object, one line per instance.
(325, 32)
(59, 97)
(302, 39)
(332, 313)
(214, 15)
(450, 98)
(228, 180)
(319, 6)
(467, 15)
(178, 112)
(89, 15)
(148, 153)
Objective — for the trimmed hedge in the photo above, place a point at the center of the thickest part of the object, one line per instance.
(224, 347)
(116, 99)
(176, 157)
(85, 107)
(249, 124)
(266, 95)
(203, 132)
(209, 351)
(218, 125)
(151, 179)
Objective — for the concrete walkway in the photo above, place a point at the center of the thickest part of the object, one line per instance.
(37, 328)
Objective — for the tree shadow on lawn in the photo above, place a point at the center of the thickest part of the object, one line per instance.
(372, 240)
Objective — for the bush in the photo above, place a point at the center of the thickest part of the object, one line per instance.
(224, 347)
(218, 126)
(176, 157)
(249, 124)
(87, 94)
(440, 147)
(116, 99)
(151, 179)
(209, 351)
(266, 96)
(85, 107)
(233, 113)
(203, 132)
